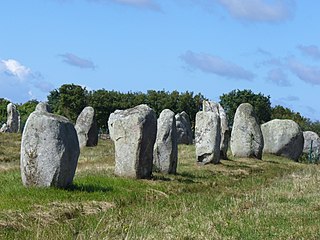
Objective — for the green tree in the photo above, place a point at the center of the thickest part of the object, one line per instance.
(280, 112)
(53, 100)
(69, 100)
(261, 104)
(25, 110)
(3, 110)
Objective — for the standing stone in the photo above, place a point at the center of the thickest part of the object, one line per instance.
(4, 128)
(225, 133)
(165, 153)
(86, 127)
(184, 131)
(209, 106)
(246, 135)
(207, 137)
(13, 120)
(49, 150)
(308, 137)
(43, 107)
(283, 138)
(134, 133)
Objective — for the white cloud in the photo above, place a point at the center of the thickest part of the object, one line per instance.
(259, 10)
(15, 68)
(216, 65)
(309, 74)
(20, 83)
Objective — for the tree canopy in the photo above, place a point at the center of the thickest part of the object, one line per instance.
(68, 100)
(261, 104)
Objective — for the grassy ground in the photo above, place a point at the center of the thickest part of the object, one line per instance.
(237, 199)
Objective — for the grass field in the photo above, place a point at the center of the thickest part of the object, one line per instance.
(238, 199)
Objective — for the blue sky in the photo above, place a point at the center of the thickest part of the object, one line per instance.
(206, 46)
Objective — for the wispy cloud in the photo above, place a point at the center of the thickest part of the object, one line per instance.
(15, 68)
(278, 77)
(309, 74)
(76, 61)
(259, 10)
(263, 52)
(148, 4)
(311, 51)
(18, 80)
(142, 4)
(290, 98)
(216, 65)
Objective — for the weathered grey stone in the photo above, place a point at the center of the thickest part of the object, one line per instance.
(308, 137)
(225, 133)
(246, 135)
(134, 133)
(13, 120)
(184, 131)
(165, 154)
(43, 107)
(283, 138)
(86, 127)
(209, 106)
(207, 137)
(4, 128)
(49, 151)
(112, 118)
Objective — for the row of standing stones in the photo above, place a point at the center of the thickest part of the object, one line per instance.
(51, 144)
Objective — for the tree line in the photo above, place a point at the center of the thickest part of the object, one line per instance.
(70, 99)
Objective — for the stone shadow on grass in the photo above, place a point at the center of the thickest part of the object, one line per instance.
(88, 188)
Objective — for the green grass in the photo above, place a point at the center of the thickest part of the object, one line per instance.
(238, 199)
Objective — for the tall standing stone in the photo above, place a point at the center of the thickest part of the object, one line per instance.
(309, 137)
(13, 120)
(225, 133)
(184, 131)
(207, 137)
(165, 154)
(209, 106)
(86, 127)
(283, 138)
(246, 135)
(49, 150)
(134, 133)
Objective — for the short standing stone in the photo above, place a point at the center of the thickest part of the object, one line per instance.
(166, 147)
(207, 137)
(86, 127)
(13, 119)
(49, 151)
(283, 138)
(43, 107)
(246, 135)
(134, 133)
(309, 137)
(184, 131)
(209, 106)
